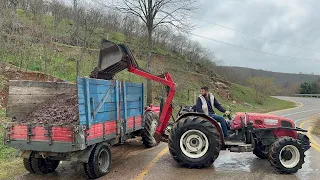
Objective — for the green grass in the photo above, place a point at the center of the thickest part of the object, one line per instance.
(244, 97)
(9, 164)
(316, 126)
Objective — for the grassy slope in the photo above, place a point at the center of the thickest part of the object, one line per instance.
(63, 65)
(316, 126)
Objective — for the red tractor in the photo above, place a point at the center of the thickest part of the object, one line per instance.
(195, 140)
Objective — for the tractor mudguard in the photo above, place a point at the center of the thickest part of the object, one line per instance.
(210, 119)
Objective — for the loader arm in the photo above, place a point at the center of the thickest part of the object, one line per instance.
(115, 58)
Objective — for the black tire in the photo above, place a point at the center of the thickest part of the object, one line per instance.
(27, 165)
(43, 166)
(93, 168)
(194, 124)
(261, 151)
(279, 147)
(86, 170)
(150, 119)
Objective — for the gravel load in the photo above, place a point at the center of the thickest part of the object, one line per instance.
(60, 110)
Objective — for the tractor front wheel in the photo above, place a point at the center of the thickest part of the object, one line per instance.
(286, 155)
(194, 142)
(261, 151)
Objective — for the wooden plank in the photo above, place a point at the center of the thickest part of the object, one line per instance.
(132, 105)
(131, 84)
(94, 81)
(117, 101)
(101, 117)
(97, 98)
(133, 112)
(133, 98)
(26, 83)
(87, 103)
(125, 115)
(142, 92)
(97, 89)
(28, 99)
(107, 107)
(133, 90)
(13, 90)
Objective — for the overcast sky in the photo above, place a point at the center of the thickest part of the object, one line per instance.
(295, 22)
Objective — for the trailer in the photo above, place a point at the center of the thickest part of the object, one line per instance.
(110, 112)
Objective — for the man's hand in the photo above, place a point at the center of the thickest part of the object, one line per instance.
(227, 113)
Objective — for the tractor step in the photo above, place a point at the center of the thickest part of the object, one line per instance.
(238, 146)
(234, 143)
(241, 148)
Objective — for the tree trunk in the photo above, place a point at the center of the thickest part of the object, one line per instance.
(15, 21)
(149, 58)
(75, 22)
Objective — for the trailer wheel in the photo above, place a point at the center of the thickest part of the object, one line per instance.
(99, 162)
(27, 165)
(286, 155)
(43, 166)
(151, 123)
(260, 151)
(194, 142)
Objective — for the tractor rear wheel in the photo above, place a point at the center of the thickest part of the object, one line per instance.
(150, 126)
(286, 155)
(194, 142)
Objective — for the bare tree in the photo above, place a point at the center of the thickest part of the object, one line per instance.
(75, 21)
(155, 13)
(263, 87)
(89, 19)
(37, 8)
(15, 21)
(57, 9)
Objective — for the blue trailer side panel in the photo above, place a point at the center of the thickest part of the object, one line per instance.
(122, 101)
(133, 106)
(91, 92)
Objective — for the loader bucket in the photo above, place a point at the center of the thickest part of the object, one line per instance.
(111, 61)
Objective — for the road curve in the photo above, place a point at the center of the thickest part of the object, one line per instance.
(133, 161)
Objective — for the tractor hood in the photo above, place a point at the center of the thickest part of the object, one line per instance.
(260, 121)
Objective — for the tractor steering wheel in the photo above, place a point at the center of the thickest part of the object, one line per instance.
(228, 116)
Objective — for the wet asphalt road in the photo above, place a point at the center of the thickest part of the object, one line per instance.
(132, 160)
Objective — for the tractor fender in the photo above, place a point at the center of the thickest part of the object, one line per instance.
(210, 119)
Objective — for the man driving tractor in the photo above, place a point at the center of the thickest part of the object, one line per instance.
(206, 103)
